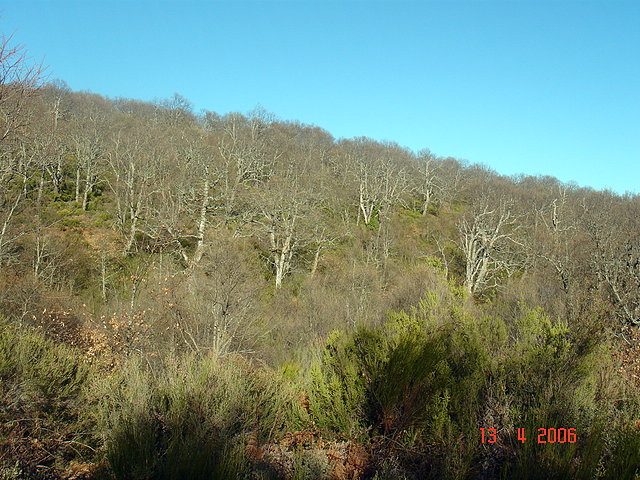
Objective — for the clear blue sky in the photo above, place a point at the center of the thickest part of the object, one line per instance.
(535, 87)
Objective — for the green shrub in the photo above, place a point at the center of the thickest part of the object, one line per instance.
(190, 421)
(52, 375)
(43, 396)
(422, 385)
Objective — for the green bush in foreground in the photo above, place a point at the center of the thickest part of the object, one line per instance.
(413, 392)
(43, 395)
(420, 387)
(191, 420)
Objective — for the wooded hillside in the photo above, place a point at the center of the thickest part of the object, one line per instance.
(193, 295)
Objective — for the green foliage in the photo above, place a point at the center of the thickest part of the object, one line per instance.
(404, 376)
(337, 392)
(435, 263)
(103, 219)
(51, 375)
(190, 422)
(412, 213)
(43, 396)
(429, 378)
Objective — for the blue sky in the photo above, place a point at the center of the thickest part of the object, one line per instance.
(534, 87)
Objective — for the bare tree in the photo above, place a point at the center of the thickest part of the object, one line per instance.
(10, 199)
(88, 142)
(184, 207)
(178, 110)
(246, 152)
(281, 208)
(614, 228)
(379, 176)
(19, 80)
(205, 172)
(322, 238)
(486, 236)
(427, 183)
(620, 269)
(217, 310)
(135, 162)
(15, 175)
(451, 174)
(557, 237)
(48, 136)
(50, 254)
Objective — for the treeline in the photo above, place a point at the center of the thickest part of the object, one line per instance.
(190, 295)
(144, 181)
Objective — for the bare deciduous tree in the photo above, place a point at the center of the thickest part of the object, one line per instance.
(558, 235)
(380, 178)
(88, 138)
(135, 161)
(246, 153)
(220, 302)
(486, 236)
(204, 175)
(19, 80)
(616, 256)
(280, 210)
(427, 184)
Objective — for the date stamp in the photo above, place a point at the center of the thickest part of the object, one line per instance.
(545, 435)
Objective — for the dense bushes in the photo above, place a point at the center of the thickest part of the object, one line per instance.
(403, 400)
(43, 399)
(193, 419)
(420, 388)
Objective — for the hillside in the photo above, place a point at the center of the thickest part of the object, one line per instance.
(194, 295)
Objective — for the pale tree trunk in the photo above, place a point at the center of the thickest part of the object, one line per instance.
(40, 187)
(202, 223)
(78, 184)
(282, 256)
(40, 251)
(5, 225)
(426, 203)
(316, 258)
(132, 234)
(85, 196)
(366, 208)
(428, 185)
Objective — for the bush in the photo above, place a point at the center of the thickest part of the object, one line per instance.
(192, 420)
(419, 388)
(42, 400)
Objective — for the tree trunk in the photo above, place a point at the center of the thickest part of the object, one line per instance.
(78, 184)
(85, 196)
(132, 235)
(40, 188)
(316, 257)
(202, 224)
(5, 224)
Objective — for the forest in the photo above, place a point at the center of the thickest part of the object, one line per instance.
(189, 295)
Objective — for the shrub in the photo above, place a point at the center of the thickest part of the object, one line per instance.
(419, 388)
(191, 420)
(42, 399)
